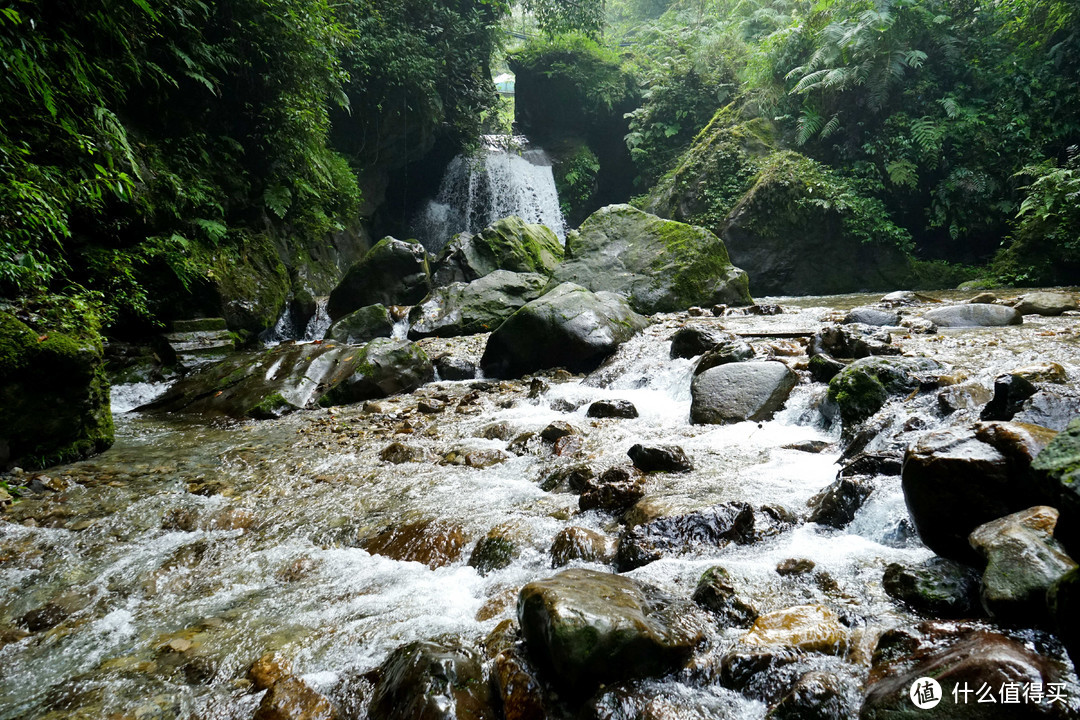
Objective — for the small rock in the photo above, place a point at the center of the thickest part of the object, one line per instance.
(660, 458)
(938, 587)
(688, 342)
(431, 406)
(558, 429)
(837, 504)
(267, 670)
(810, 446)
(900, 298)
(453, 368)
(398, 453)
(612, 409)
(817, 695)
(714, 527)
(983, 298)
(872, 316)
(292, 699)
(824, 367)
(576, 543)
(794, 567)
(1047, 372)
(811, 628)
(733, 351)
(1010, 392)
(537, 387)
(961, 316)
(494, 551)
(481, 459)
(431, 681)
(568, 479)
(716, 593)
(567, 445)
(866, 463)
(497, 431)
(521, 693)
(615, 491)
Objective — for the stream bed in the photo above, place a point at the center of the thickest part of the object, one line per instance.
(157, 572)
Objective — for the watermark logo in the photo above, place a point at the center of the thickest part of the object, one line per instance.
(925, 693)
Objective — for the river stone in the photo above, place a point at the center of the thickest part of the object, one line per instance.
(431, 681)
(615, 491)
(508, 244)
(612, 409)
(961, 316)
(712, 527)
(292, 699)
(740, 391)
(1046, 303)
(955, 655)
(939, 587)
(558, 429)
(577, 543)
(1010, 392)
(494, 551)
(824, 367)
(585, 628)
(455, 368)
(660, 458)
(864, 386)
(568, 327)
(811, 628)
(1053, 407)
(365, 324)
(267, 670)
(521, 693)
(1057, 475)
(658, 265)
(817, 695)
(735, 351)
(397, 453)
(837, 504)
(716, 593)
(872, 316)
(1063, 600)
(1045, 372)
(478, 307)
(54, 396)
(851, 341)
(432, 542)
(688, 342)
(1022, 561)
(384, 367)
(392, 272)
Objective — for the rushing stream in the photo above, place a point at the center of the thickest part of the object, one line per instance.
(190, 548)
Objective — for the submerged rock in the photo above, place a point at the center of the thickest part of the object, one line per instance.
(431, 681)
(577, 543)
(508, 244)
(716, 593)
(478, 307)
(979, 315)
(658, 265)
(585, 628)
(740, 391)
(393, 272)
(716, 527)
(434, 543)
(817, 695)
(811, 628)
(568, 327)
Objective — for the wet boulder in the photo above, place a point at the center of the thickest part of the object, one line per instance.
(959, 657)
(872, 316)
(716, 593)
(431, 542)
(1057, 475)
(521, 694)
(612, 409)
(507, 244)
(292, 699)
(614, 491)
(955, 479)
(54, 395)
(455, 368)
(1010, 393)
(740, 391)
(432, 681)
(1022, 561)
(1053, 407)
(360, 326)
(568, 327)
(978, 315)
(577, 543)
(384, 367)
(1046, 303)
(713, 527)
(658, 265)
(817, 695)
(864, 386)
(393, 272)
(1063, 600)
(688, 342)
(810, 628)
(939, 587)
(837, 504)
(397, 453)
(660, 458)
(494, 551)
(584, 628)
(732, 351)
(476, 307)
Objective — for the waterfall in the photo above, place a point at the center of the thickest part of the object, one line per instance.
(507, 177)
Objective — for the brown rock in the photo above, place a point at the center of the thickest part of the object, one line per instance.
(267, 670)
(519, 689)
(291, 699)
(431, 542)
(812, 628)
(577, 543)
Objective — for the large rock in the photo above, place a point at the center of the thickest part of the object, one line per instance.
(585, 628)
(1046, 303)
(1057, 475)
(740, 391)
(812, 628)
(476, 307)
(568, 327)
(291, 377)
(978, 315)
(864, 386)
(688, 342)
(959, 657)
(658, 265)
(955, 479)
(363, 325)
(875, 317)
(292, 699)
(393, 272)
(938, 587)
(713, 527)
(431, 681)
(54, 396)
(508, 244)
(1022, 561)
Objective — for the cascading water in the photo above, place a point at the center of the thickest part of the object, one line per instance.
(507, 177)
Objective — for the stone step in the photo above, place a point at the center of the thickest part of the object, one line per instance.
(201, 342)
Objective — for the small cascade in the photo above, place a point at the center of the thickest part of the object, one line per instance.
(508, 177)
(320, 322)
(286, 328)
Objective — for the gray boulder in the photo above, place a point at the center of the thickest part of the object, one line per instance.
(585, 628)
(872, 316)
(477, 307)
(508, 244)
(658, 265)
(1046, 303)
(365, 324)
(393, 272)
(740, 391)
(688, 342)
(978, 315)
(864, 386)
(568, 327)
(938, 587)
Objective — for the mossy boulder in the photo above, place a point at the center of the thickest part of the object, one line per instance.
(476, 307)
(394, 272)
(657, 265)
(290, 377)
(568, 327)
(864, 386)
(1057, 475)
(54, 396)
(360, 326)
(507, 244)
